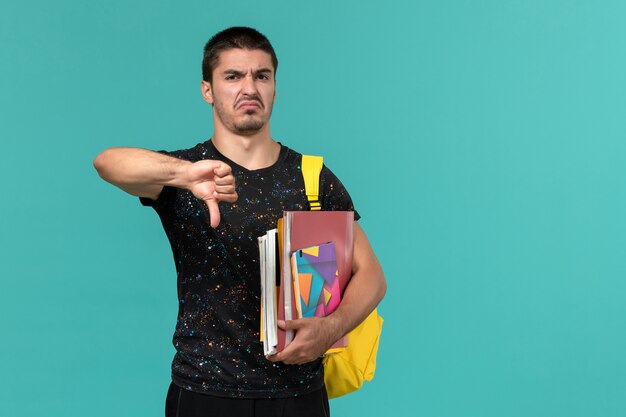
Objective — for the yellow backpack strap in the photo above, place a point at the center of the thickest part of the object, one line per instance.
(311, 170)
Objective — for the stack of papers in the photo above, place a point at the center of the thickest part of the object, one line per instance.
(268, 251)
(305, 265)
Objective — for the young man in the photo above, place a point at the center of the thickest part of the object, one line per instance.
(219, 367)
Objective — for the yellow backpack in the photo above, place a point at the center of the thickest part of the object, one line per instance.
(346, 370)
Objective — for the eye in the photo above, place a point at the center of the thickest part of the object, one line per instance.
(232, 77)
(264, 77)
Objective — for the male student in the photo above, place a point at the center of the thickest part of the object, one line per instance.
(214, 200)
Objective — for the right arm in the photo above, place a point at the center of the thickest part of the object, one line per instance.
(144, 173)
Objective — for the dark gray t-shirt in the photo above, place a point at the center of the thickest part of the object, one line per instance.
(218, 351)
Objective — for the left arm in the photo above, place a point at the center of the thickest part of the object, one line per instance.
(366, 288)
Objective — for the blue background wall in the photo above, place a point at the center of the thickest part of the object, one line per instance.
(482, 141)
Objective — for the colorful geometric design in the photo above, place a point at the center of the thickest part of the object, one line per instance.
(313, 251)
(327, 296)
(316, 269)
(304, 281)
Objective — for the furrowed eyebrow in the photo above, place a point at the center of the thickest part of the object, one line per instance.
(232, 71)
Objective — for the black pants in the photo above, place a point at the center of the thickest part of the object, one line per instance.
(183, 403)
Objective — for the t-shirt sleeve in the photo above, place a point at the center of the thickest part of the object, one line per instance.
(334, 195)
(168, 194)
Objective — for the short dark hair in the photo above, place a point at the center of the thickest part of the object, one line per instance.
(235, 37)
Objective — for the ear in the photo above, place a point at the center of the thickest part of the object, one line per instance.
(207, 92)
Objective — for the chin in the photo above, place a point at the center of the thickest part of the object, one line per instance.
(251, 125)
(248, 128)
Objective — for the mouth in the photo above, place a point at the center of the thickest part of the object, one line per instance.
(249, 105)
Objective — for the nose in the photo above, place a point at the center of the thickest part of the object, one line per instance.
(248, 86)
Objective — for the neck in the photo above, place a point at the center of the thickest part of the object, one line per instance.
(252, 152)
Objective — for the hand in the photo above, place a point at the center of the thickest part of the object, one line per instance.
(313, 338)
(212, 181)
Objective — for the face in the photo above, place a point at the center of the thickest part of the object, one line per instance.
(243, 90)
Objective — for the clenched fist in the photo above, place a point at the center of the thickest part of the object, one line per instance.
(212, 181)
